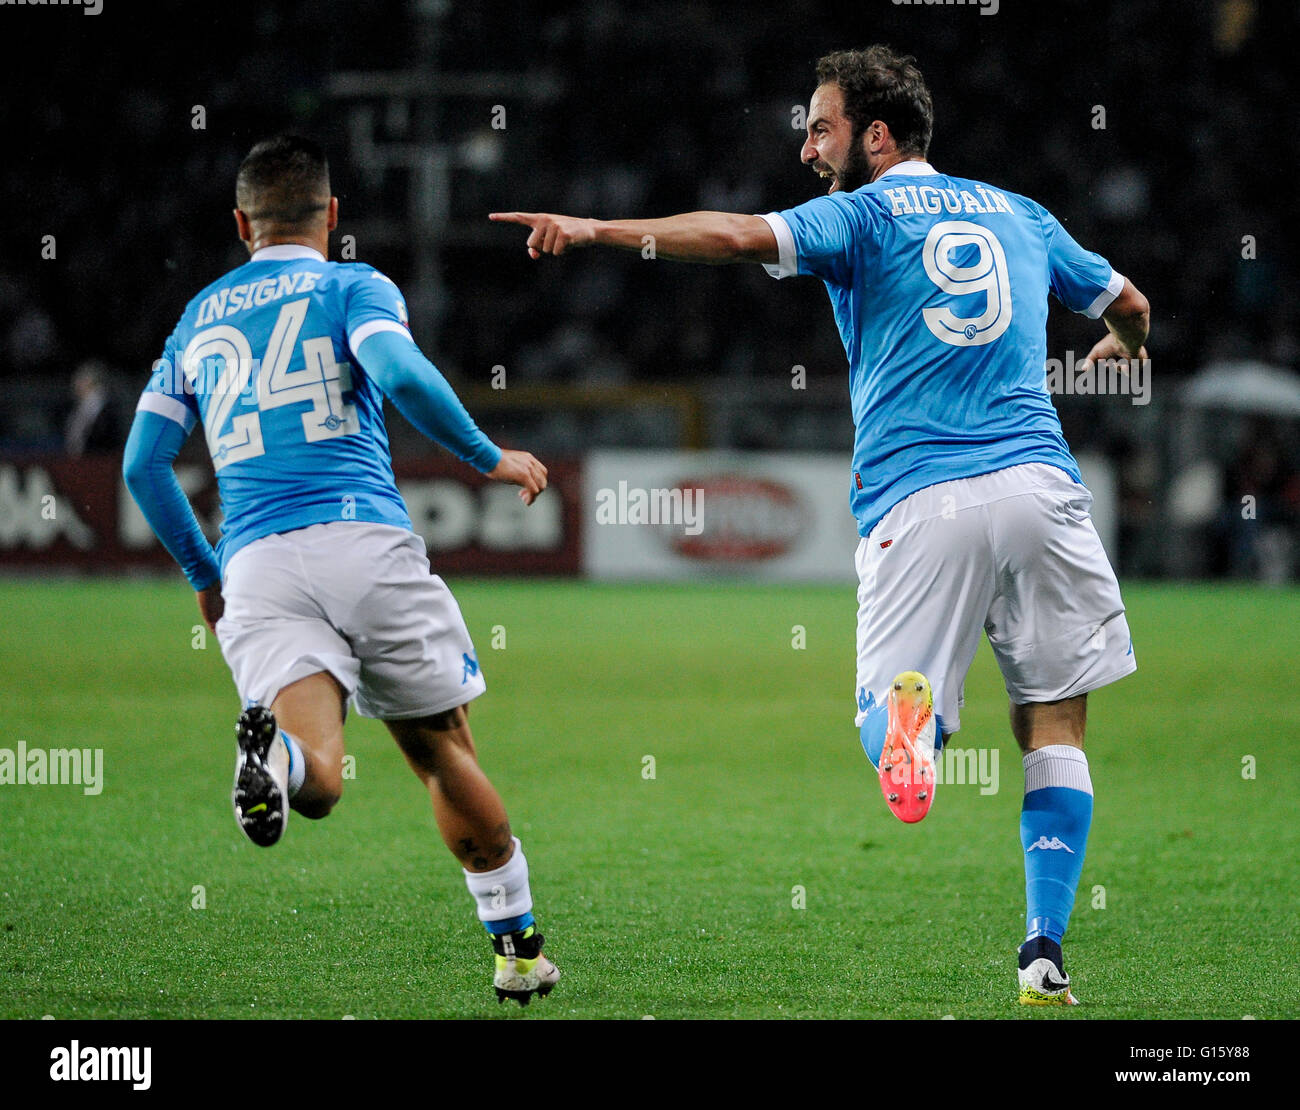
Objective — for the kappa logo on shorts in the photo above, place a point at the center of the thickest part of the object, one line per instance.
(470, 659)
(1053, 845)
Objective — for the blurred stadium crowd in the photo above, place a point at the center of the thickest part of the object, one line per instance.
(649, 109)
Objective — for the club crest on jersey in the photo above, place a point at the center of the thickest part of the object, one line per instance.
(1053, 845)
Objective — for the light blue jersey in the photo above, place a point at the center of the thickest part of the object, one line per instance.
(264, 359)
(939, 286)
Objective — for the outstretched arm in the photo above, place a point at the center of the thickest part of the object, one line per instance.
(713, 237)
(151, 449)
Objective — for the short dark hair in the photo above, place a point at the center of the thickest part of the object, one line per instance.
(879, 84)
(283, 180)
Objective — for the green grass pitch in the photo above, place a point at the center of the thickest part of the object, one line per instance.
(673, 896)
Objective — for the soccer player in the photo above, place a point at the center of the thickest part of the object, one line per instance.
(319, 591)
(970, 506)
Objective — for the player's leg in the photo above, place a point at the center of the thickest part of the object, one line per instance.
(469, 811)
(476, 830)
(1055, 819)
(418, 674)
(924, 590)
(290, 756)
(294, 672)
(1058, 631)
(310, 714)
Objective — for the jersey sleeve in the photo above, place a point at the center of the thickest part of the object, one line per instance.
(167, 394)
(1082, 281)
(165, 415)
(374, 304)
(147, 460)
(820, 238)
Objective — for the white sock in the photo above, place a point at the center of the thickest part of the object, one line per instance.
(502, 893)
(297, 764)
(1057, 765)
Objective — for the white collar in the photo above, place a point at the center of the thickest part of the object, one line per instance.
(281, 252)
(909, 169)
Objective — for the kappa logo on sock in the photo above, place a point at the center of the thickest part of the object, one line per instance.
(1049, 845)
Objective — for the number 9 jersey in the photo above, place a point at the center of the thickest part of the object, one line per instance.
(263, 359)
(939, 286)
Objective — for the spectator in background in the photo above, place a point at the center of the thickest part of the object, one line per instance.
(92, 427)
(1262, 508)
(1137, 470)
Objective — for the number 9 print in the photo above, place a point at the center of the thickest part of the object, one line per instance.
(988, 274)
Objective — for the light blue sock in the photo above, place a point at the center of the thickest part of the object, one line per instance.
(297, 765)
(510, 924)
(1054, 823)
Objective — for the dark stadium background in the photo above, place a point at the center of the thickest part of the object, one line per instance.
(645, 110)
(749, 869)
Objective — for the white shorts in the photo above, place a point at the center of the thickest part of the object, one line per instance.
(1013, 552)
(356, 600)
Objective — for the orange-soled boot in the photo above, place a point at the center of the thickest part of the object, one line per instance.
(907, 761)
